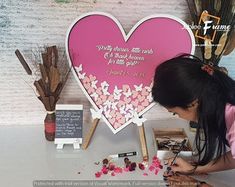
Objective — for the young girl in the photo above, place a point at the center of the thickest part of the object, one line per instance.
(204, 94)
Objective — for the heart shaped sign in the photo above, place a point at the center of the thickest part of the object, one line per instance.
(115, 70)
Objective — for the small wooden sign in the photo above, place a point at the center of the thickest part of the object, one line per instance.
(69, 121)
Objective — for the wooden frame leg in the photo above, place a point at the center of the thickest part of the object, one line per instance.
(90, 134)
(143, 143)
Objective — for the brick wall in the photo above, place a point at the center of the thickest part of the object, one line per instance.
(30, 24)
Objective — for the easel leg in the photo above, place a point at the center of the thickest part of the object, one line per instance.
(143, 143)
(90, 133)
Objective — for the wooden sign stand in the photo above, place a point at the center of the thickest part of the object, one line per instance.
(90, 133)
(143, 143)
(138, 121)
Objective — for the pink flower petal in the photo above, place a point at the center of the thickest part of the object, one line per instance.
(126, 169)
(155, 158)
(145, 174)
(156, 171)
(117, 170)
(104, 170)
(151, 168)
(141, 166)
(98, 174)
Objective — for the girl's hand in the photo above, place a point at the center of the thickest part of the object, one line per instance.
(181, 166)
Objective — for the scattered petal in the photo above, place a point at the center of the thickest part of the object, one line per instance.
(141, 166)
(151, 168)
(104, 170)
(117, 170)
(156, 171)
(98, 174)
(111, 167)
(155, 158)
(126, 169)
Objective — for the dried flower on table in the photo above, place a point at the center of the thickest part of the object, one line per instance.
(112, 169)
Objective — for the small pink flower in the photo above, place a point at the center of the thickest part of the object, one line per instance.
(113, 174)
(145, 174)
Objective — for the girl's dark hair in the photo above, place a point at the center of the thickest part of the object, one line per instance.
(180, 81)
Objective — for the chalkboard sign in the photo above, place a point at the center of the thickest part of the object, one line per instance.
(69, 120)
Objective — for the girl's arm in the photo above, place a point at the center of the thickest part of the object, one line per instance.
(184, 167)
(225, 162)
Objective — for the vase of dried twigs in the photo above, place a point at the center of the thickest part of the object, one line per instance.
(49, 84)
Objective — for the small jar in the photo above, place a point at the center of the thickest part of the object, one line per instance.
(49, 124)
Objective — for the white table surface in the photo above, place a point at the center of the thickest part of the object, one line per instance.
(26, 155)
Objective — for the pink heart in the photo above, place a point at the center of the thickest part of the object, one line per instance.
(99, 101)
(103, 98)
(127, 100)
(99, 49)
(135, 94)
(122, 120)
(112, 120)
(145, 103)
(141, 98)
(135, 103)
(144, 92)
(98, 91)
(125, 88)
(121, 103)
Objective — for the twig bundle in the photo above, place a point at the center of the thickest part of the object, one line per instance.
(52, 77)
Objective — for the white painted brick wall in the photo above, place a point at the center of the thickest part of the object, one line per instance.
(30, 24)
